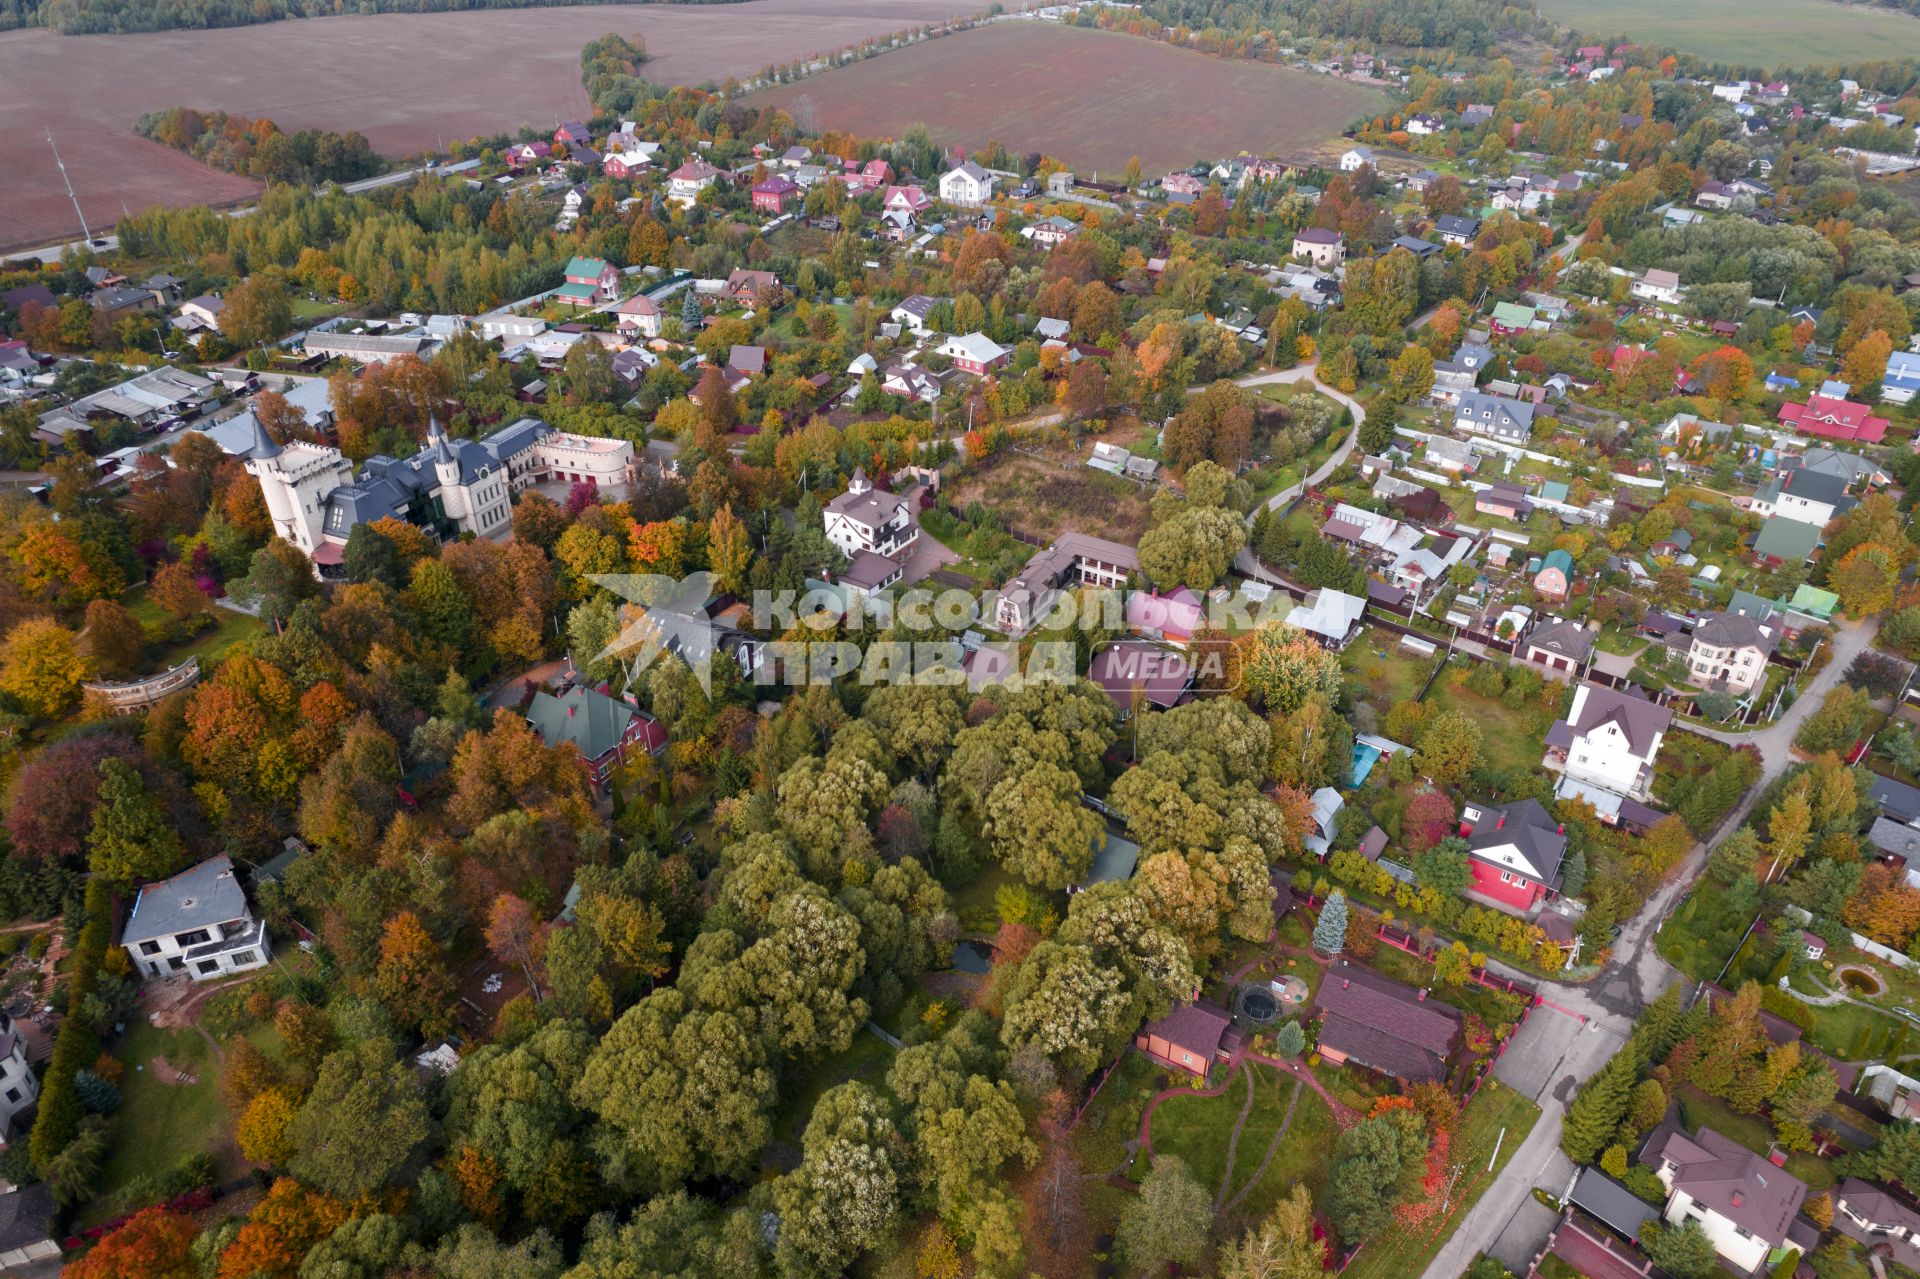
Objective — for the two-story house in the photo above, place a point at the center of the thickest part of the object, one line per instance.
(1456, 229)
(911, 313)
(1658, 286)
(776, 193)
(19, 1086)
(196, 923)
(1324, 248)
(1879, 1219)
(1513, 853)
(603, 729)
(975, 353)
(1811, 497)
(685, 183)
(1609, 739)
(865, 518)
(1494, 416)
(590, 282)
(967, 185)
(1558, 645)
(1729, 652)
(1460, 375)
(1075, 559)
(1741, 1201)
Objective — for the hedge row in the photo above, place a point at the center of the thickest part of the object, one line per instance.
(77, 1046)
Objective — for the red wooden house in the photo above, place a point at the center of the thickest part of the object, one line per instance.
(775, 194)
(1514, 852)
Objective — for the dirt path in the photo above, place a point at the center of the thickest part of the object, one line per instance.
(1273, 1148)
(1233, 1141)
(1343, 1114)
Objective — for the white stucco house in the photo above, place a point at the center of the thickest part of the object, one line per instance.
(197, 923)
(966, 184)
(1609, 739)
(865, 519)
(1742, 1202)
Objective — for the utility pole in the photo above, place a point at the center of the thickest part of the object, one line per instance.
(86, 236)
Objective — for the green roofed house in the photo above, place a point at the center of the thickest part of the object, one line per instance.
(1510, 318)
(1555, 575)
(601, 728)
(1813, 600)
(1784, 541)
(1553, 491)
(590, 282)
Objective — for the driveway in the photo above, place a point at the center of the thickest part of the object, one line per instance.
(927, 555)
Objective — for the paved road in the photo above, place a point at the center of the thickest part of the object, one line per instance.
(1557, 1051)
(1245, 562)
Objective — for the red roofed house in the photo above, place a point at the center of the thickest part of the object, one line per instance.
(572, 133)
(876, 172)
(1188, 1038)
(522, 154)
(1369, 1021)
(906, 199)
(775, 194)
(685, 183)
(1834, 419)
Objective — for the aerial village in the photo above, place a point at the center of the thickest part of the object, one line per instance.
(1482, 550)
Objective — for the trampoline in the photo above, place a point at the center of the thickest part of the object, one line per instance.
(1259, 1005)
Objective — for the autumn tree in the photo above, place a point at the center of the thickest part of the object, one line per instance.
(412, 979)
(131, 841)
(41, 668)
(113, 640)
(154, 1243)
(1167, 1224)
(1279, 667)
(1866, 363)
(257, 310)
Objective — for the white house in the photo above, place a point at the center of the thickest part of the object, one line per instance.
(201, 313)
(912, 311)
(1609, 739)
(1319, 246)
(1902, 378)
(685, 183)
(639, 315)
(869, 519)
(196, 923)
(1423, 125)
(1729, 653)
(19, 1086)
(450, 487)
(1658, 286)
(1811, 497)
(1742, 1202)
(1355, 158)
(966, 184)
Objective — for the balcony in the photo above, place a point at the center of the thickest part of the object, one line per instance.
(242, 937)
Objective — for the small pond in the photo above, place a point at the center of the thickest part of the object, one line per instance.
(972, 957)
(1860, 981)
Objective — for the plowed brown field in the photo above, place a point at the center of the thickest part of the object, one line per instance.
(1086, 97)
(404, 80)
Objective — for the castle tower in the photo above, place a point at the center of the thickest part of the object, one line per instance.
(446, 467)
(295, 480)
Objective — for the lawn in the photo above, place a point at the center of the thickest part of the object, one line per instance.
(1391, 673)
(1770, 33)
(1200, 1131)
(1698, 937)
(159, 1124)
(1697, 1109)
(1509, 738)
(1498, 1120)
(229, 628)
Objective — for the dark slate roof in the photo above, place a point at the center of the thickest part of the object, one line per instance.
(1896, 799)
(1721, 1174)
(1563, 639)
(1196, 1027)
(1454, 224)
(1638, 718)
(1816, 486)
(198, 897)
(1384, 1025)
(26, 1217)
(1611, 1204)
(1732, 630)
(1529, 828)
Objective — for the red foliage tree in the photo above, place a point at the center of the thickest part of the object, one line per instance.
(152, 1244)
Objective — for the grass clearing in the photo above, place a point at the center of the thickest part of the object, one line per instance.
(159, 1124)
(1772, 33)
(229, 628)
(1509, 738)
(1499, 1117)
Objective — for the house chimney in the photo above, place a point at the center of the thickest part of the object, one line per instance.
(1501, 823)
(1345, 982)
(571, 710)
(1738, 1199)
(1422, 996)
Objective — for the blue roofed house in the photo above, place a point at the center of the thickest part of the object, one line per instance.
(1902, 377)
(196, 923)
